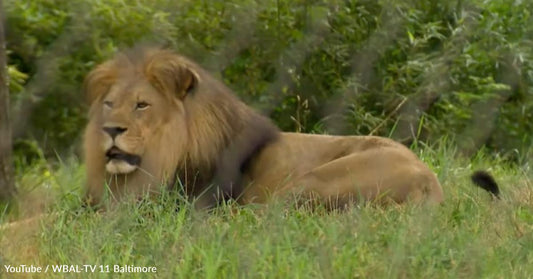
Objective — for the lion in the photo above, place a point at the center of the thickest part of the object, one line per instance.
(157, 118)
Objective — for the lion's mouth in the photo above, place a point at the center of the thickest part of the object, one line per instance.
(120, 162)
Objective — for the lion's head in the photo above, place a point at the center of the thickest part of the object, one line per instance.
(153, 112)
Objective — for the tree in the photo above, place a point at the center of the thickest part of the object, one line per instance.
(7, 187)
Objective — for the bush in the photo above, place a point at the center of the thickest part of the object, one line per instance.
(412, 69)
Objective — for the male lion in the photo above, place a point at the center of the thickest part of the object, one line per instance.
(156, 118)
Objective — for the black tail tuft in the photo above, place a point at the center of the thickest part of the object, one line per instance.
(485, 181)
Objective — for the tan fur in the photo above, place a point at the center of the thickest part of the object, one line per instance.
(192, 118)
(341, 170)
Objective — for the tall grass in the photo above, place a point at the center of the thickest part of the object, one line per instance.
(469, 236)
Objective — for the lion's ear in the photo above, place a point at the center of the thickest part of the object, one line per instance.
(172, 75)
(185, 81)
(189, 81)
(98, 82)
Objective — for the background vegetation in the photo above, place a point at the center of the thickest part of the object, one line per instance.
(448, 78)
(422, 69)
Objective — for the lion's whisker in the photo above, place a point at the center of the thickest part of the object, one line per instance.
(145, 172)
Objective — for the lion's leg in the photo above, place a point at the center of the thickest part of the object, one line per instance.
(377, 175)
(95, 189)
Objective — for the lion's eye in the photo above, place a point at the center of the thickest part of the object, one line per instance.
(142, 105)
(108, 104)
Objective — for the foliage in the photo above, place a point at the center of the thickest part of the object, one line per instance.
(416, 70)
(421, 69)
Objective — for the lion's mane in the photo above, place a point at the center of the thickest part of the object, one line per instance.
(208, 141)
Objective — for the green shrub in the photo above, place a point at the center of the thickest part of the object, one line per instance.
(411, 69)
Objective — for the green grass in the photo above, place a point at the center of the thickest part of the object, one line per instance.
(469, 236)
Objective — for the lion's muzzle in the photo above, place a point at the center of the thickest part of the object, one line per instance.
(120, 162)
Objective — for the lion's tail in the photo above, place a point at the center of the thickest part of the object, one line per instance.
(485, 181)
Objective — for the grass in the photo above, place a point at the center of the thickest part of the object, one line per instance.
(469, 236)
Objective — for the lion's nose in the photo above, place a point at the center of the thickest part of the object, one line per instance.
(114, 131)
